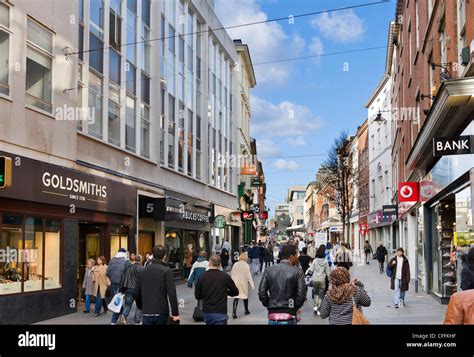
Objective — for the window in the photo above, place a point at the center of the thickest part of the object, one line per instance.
(145, 49)
(198, 147)
(4, 50)
(115, 26)
(39, 67)
(131, 36)
(299, 222)
(146, 12)
(145, 88)
(114, 115)
(181, 137)
(171, 39)
(34, 260)
(417, 23)
(96, 53)
(171, 130)
(97, 17)
(95, 102)
(114, 66)
(145, 130)
(130, 124)
(162, 127)
(190, 142)
(131, 78)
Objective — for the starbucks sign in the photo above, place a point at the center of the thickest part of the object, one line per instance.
(219, 221)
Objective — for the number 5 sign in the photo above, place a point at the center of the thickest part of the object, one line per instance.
(408, 192)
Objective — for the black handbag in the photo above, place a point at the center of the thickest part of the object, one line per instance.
(198, 315)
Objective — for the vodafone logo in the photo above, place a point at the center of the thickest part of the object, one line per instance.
(408, 192)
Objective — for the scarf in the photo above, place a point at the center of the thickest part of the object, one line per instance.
(342, 290)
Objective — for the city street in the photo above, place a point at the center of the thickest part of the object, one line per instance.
(420, 308)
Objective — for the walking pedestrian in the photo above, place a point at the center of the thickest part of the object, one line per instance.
(368, 252)
(304, 260)
(198, 268)
(282, 289)
(213, 288)
(115, 272)
(101, 283)
(127, 287)
(148, 258)
(242, 278)
(467, 273)
(268, 258)
(343, 257)
(88, 284)
(339, 302)
(276, 253)
(155, 287)
(254, 258)
(217, 248)
(381, 253)
(261, 256)
(320, 271)
(187, 262)
(301, 244)
(224, 259)
(460, 308)
(312, 249)
(400, 279)
(226, 245)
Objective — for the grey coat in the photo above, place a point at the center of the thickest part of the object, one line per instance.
(88, 284)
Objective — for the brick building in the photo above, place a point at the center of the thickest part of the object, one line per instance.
(432, 97)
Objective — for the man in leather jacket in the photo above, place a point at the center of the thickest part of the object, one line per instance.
(127, 287)
(282, 289)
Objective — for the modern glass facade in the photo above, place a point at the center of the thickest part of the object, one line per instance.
(128, 46)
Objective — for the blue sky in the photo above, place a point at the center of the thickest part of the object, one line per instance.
(299, 107)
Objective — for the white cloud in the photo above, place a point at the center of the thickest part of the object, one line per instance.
(282, 164)
(316, 46)
(267, 148)
(341, 26)
(266, 41)
(286, 119)
(296, 141)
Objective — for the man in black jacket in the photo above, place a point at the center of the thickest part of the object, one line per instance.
(127, 287)
(213, 287)
(282, 289)
(155, 286)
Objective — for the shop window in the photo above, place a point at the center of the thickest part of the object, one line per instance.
(29, 260)
(174, 247)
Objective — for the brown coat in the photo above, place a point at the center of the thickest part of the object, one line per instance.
(405, 273)
(460, 309)
(100, 279)
(188, 259)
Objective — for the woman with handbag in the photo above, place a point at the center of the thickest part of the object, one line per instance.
(101, 284)
(344, 299)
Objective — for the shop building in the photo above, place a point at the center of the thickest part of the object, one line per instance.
(127, 124)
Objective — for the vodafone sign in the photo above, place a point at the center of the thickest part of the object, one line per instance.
(408, 192)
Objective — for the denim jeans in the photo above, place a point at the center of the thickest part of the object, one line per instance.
(99, 302)
(138, 316)
(155, 320)
(215, 319)
(87, 307)
(399, 295)
(319, 289)
(115, 316)
(287, 322)
(128, 303)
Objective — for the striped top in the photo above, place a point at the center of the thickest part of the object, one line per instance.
(341, 314)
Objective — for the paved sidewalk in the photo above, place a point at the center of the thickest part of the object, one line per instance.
(420, 308)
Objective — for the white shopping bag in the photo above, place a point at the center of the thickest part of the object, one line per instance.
(116, 303)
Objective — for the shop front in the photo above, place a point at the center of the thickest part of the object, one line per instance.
(227, 227)
(52, 219)
(187, 228)
(379, 224)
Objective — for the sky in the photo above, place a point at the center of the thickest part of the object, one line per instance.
(299, 107)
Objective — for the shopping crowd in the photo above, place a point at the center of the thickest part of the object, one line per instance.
(288, 270)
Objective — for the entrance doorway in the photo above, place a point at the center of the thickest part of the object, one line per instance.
(90, 238)
(145, 243)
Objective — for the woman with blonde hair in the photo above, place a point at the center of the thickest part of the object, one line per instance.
(243, 279)
(101, 283)
(88, 284)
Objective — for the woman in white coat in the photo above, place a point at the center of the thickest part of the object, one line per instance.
(243, 279)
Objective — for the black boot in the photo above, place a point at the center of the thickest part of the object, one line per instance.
(234, 308)
(246, 305)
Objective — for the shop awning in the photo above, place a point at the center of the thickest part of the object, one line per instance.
(451, 109)
(299, 228)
